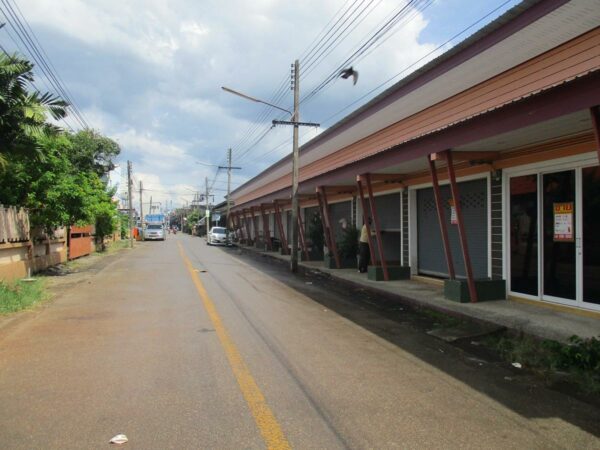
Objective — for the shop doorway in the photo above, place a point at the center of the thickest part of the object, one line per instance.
(430, 250)
(554, 240)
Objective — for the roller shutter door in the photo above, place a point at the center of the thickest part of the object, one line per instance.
(388, 212)
(337, 212)
(430, 251)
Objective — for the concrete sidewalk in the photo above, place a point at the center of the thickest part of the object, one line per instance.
(542, 321)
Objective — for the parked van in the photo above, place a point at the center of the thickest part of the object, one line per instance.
(154, 231)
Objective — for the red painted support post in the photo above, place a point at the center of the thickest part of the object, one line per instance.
(363, 204)
(322, 210)
(247, 223)
(234, 222)
(595, 112)
(301, 235)
(441, 217)
(282, 238)
(266, 230)
(386, 275)
(254, 224)
(329, 228)
(461, 228)
(238, 223)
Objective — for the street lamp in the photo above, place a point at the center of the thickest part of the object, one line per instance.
(256, 100)
(295, 122)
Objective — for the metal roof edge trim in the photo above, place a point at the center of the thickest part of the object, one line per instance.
(537, 94)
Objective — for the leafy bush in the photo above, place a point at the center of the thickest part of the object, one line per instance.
(315, 232)
(124, 225)
(579, 358)
(348, 245)
(579, 354)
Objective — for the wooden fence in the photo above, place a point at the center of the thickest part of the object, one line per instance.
(14, 224)
(23, 250)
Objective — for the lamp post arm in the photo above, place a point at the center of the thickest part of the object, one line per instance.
(252, 99)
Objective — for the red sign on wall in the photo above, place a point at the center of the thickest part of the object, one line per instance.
(563, 222)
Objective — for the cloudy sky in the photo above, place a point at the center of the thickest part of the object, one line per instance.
(148, 73)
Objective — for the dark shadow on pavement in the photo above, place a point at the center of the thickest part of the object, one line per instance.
(405, 326)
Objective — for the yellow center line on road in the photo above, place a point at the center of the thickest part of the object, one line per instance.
(263, 416)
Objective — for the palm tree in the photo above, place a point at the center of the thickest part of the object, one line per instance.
(22, 113)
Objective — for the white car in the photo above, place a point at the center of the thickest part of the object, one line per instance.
(154, 231)
(217, 235)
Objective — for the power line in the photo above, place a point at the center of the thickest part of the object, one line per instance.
(416, 63)
(309, 66)
(376, 36)
(280, 92)
(306, 54)
(69, 97)
(332, 38)
(389, 80)
(31, 47)
(30, 82)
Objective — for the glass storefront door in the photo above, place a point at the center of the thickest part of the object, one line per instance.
(524, 234)
(554, 249)
(590, 242)
(558, 192)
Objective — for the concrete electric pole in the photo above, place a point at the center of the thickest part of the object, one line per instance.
(130, 202)
(206, 212)
(295, 119)
(295, 116)
(229, 168)
(141, 212)
(295, 122)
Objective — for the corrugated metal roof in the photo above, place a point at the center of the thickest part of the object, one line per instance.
(472, 116)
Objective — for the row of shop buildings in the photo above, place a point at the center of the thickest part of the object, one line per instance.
(481, 166)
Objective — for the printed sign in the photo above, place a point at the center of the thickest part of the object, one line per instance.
(453, 219)
(563, 222)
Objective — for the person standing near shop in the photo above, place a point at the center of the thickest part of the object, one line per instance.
(363, 248)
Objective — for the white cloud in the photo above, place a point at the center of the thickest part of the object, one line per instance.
(148, 73)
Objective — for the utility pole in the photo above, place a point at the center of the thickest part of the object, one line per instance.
(296, 119)
(228, 167)
(295, 161)
(206, 212)
(295, 116)
(141, 212)
(129, 183)
(150, 211)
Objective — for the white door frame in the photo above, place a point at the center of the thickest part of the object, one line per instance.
(575, 163)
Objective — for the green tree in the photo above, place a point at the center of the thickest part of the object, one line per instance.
(23, 114)
(56, 192)
(56, 175)
(107, 221)
(93, 152)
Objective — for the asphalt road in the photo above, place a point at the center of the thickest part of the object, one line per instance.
(180, 345)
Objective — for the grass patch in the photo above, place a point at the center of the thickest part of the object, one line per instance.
(21, 295)
(116, 246)
(578, 360)
(440, 319)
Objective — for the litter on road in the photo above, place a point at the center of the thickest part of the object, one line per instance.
(119, 439)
